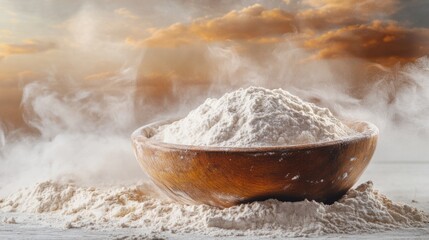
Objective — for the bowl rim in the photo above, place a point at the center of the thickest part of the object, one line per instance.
(371, 131)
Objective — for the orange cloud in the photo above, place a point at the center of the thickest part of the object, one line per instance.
(172, 36)
(253, 23)
(325, 14)
(27, 47)
(378, 41)
(258, 24)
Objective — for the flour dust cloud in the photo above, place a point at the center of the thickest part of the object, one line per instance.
(82, 134)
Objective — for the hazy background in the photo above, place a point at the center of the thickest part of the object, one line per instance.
(76, 77)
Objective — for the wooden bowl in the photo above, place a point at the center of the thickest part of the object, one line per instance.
(224, 177)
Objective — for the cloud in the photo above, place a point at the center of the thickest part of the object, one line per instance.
(27, 47)
(325, 14)
(173, 36)
(257, 24)
(378, 41)
(123, 12)
(249, 23)
(253, 23)
(330, 28)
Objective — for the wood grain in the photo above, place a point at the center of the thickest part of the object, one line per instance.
(224, 177)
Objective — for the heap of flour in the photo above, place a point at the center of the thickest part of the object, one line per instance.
(362, 209)
(254, 116)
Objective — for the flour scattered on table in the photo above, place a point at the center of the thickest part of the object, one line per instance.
(361, 210)
(255, 116)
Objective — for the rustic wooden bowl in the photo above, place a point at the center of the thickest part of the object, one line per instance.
(224, 177)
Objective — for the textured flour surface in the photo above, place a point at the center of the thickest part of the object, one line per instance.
(361, 210)
(254, 116)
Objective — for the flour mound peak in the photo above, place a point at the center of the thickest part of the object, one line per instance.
(253, 117)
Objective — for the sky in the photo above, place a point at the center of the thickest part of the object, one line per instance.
(179, 49)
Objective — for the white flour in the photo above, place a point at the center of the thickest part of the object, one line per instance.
(361, 210)
(254, 116)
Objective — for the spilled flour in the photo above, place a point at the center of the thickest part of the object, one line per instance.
(361, 210)
(255, 116)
